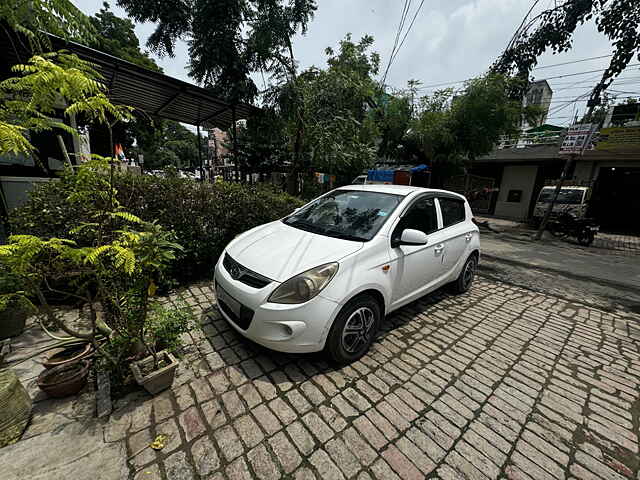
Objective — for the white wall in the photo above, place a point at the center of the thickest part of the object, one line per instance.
(516, 178)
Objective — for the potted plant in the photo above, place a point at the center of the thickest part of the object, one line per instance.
(14, 311)
(162, 333)
(156, 372)
(112, 260)
(14, 306)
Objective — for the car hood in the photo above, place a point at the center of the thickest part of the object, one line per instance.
(279, 251)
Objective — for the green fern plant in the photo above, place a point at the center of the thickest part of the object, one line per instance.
(46, 84)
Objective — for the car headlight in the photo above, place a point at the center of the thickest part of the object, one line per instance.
(305, 286)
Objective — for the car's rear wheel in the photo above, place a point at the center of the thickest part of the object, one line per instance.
(464, 281)
(354, 329)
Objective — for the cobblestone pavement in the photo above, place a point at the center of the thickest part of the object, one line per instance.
(501, 382)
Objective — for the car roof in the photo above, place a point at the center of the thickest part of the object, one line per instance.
(403, 190)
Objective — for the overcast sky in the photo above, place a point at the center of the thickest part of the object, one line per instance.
(451, 40)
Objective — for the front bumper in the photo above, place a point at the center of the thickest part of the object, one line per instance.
(299, 328)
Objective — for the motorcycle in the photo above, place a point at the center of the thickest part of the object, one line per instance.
(567, 224)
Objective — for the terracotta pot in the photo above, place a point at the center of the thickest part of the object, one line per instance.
(64, 380)
(157, 380)
(68, 354)
(12, 321)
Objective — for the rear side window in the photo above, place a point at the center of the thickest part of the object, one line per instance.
(452, 211)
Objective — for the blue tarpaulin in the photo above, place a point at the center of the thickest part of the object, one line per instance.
(419, 168)
(380, 175)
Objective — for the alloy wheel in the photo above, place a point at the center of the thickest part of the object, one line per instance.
(469, 273)
(357, 329)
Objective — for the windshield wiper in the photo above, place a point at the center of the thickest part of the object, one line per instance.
(332, 232)
(304, 225)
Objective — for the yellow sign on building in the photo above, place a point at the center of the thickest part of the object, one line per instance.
(619, 139)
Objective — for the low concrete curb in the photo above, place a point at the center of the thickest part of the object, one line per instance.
(603, 281)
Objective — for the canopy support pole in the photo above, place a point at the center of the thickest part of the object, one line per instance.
(200, 153)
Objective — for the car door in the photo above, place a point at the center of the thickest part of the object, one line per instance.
(457, 232)
(416, 268)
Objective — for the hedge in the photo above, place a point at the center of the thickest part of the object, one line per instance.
(204, 216)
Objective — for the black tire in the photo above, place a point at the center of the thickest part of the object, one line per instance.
(344, 348)
(464, 281)
(585, 238)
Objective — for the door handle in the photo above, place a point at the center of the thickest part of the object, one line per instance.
(468, 236)
(438, 248)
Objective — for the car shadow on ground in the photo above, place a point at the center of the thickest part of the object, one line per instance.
(245, 358)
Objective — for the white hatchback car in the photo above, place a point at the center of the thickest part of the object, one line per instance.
(325, 276)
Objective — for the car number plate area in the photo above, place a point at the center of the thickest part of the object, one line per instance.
(228, 300)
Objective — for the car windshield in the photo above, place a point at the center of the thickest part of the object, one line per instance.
(347, 214)
(567, 196)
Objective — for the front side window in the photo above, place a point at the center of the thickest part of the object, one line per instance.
(347, 214)
(420, 216)
(452, 211)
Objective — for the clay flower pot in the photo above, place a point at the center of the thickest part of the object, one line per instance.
(64, 380)
(68, 354)
(155, 381)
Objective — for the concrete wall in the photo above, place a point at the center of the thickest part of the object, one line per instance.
(16, 189)
(517, 178)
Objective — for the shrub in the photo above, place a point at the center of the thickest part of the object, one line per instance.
(204, 216)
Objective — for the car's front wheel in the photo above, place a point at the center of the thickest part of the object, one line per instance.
(354, 329)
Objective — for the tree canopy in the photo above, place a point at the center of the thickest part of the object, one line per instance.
(32, 18)
(228, 39)
(162, 142)
(618, 20)
(116, 36)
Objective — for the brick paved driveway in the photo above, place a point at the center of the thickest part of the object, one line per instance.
(501, 382)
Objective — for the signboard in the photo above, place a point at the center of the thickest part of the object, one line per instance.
(578, 139)
(619, 139)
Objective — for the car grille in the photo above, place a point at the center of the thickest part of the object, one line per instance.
(243, 274)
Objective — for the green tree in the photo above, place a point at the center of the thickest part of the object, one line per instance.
(261, 142)
(162, 142)
(228, 39)
(393, 116)
(33, 18)
(618, 20)
(116, 36)
(48, 83)
(332, 110)
(451, 129)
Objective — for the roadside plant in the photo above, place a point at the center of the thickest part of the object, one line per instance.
(109, 262)
(46, 84)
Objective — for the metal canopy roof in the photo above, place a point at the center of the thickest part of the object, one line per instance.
(154, 93)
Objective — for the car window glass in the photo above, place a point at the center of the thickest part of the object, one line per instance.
(420, 216)
(347, 214)
(452, 211)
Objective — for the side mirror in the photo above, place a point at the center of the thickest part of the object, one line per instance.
(410, 237)
(296, 209)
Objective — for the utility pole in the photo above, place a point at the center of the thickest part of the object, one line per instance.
(556, 192)
(593, 101)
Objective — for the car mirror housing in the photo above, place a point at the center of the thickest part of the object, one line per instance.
(410, 236)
